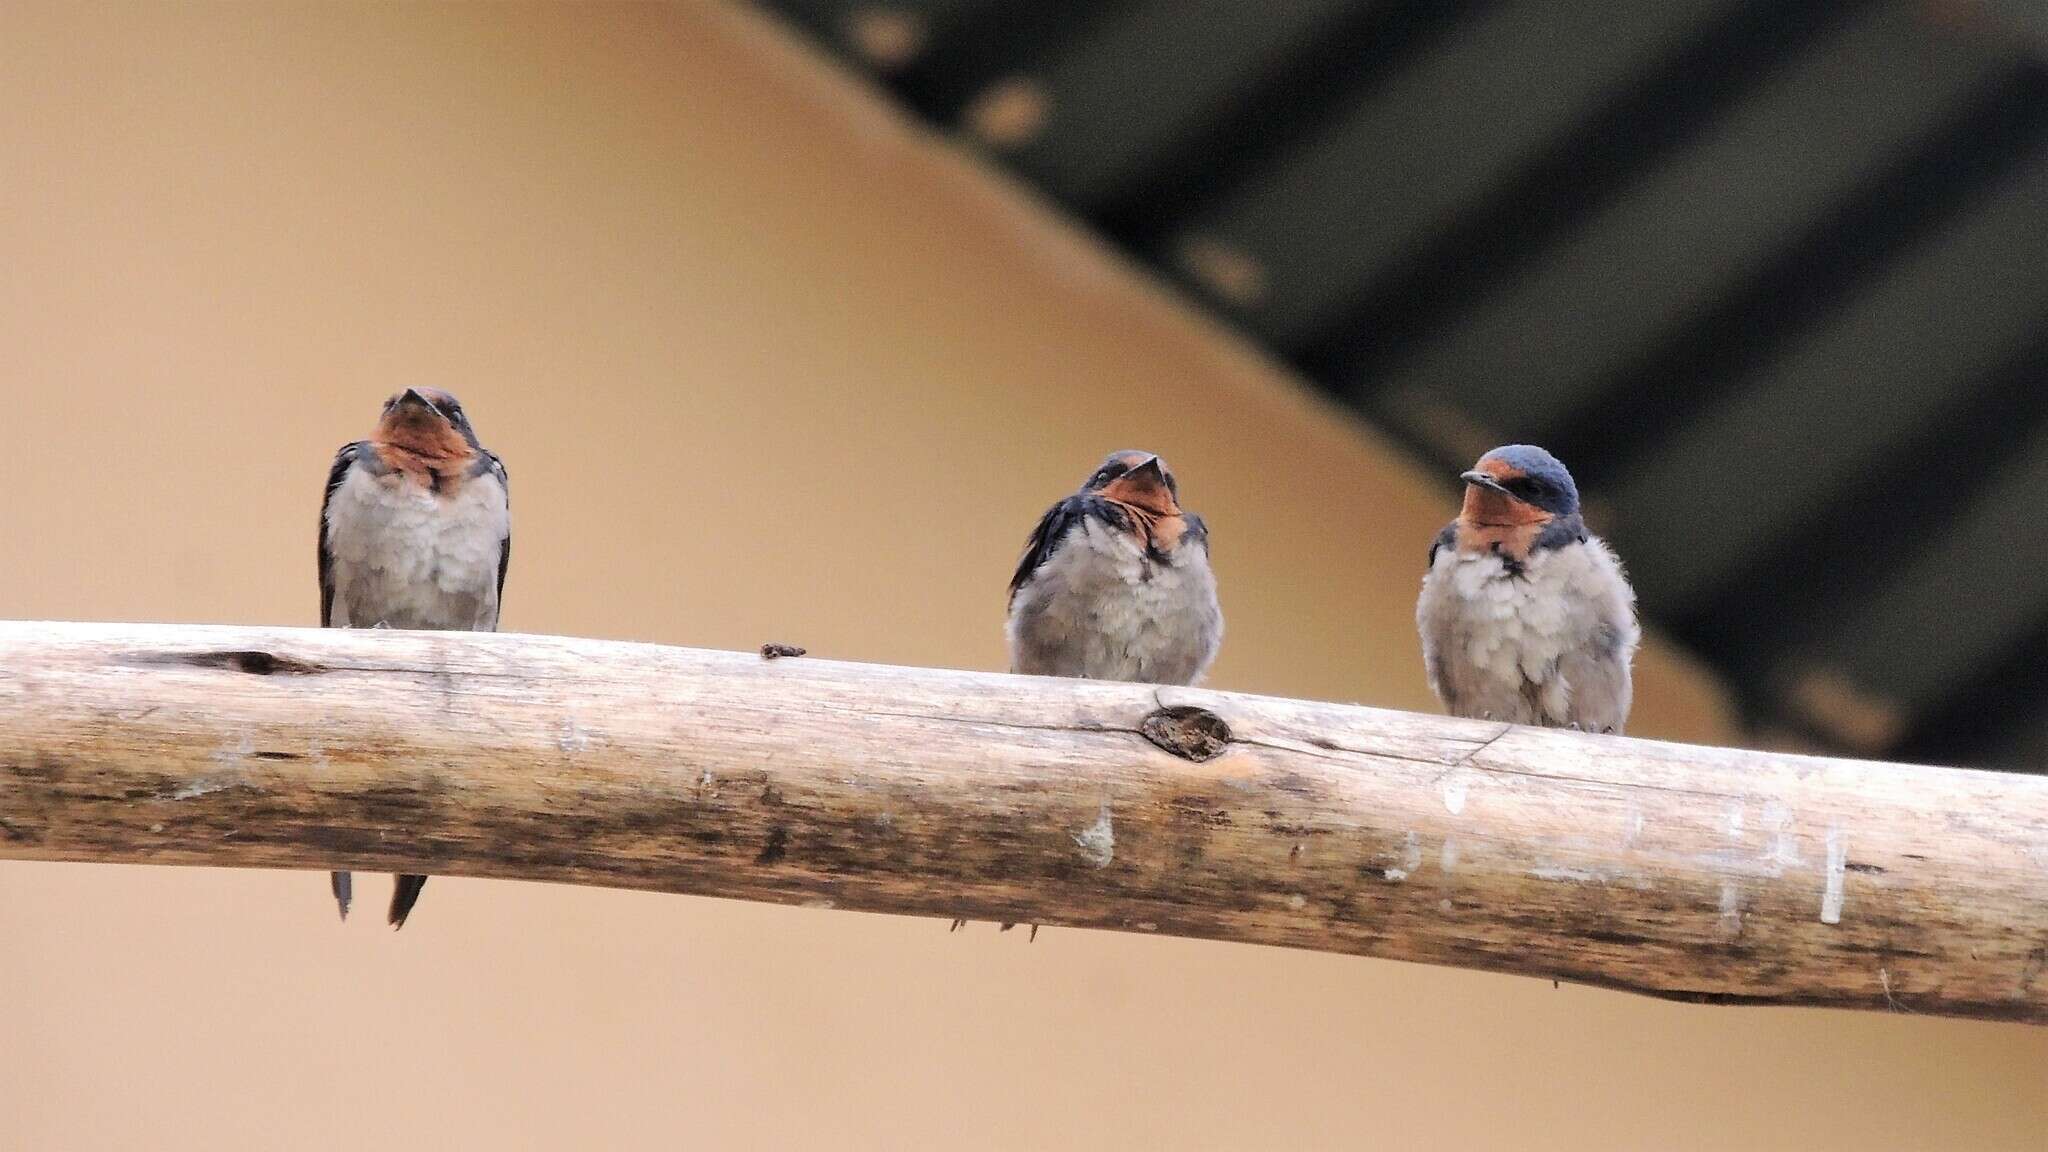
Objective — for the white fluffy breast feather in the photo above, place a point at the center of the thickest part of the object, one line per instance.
(1101, 609)
(406, 557)
(1494, 641)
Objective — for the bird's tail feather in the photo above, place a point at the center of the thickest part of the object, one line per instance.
(343, 890)
(404, 896)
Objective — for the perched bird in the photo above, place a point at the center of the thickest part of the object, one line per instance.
(415, 532)
(1525, 617)
(1115, 582)
(1115, 585)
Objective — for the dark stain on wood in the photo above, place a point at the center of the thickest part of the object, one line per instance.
(1199, 810)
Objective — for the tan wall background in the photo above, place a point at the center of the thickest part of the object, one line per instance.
(765, 364)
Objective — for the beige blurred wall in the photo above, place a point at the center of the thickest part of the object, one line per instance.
(765, 364)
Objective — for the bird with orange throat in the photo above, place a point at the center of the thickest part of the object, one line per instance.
(1115, 582)
(1525, 616)
(415, 532)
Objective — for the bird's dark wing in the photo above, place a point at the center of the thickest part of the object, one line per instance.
(1052, 530)
(1444, 539)
(497, 468)
(343, 460)
(1197, 530)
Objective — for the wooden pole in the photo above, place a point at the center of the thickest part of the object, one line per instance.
(1705, 874)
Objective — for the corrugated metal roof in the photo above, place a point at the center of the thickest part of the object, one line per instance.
(1770, 275)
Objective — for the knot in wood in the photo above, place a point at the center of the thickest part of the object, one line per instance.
(1188, 732)
(253, 661)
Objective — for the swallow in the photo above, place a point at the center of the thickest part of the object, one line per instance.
(1115, 582)
(415, 532)
(1525, 616)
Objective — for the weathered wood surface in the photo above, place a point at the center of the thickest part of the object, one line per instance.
(1699, 873)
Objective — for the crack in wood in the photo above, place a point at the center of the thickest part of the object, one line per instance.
(1496, 738)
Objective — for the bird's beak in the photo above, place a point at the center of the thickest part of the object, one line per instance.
(1482, 480)
(413, 398)
(1145, 487)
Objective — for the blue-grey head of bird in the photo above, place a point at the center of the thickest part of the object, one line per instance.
(427, 423)
(1512, 495)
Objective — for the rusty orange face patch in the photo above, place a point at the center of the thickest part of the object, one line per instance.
(423, 432)
(1514, 541)
(422, 444)
(1495, 522)
(1145, 490)
(1485, 507)
(1167, 532)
